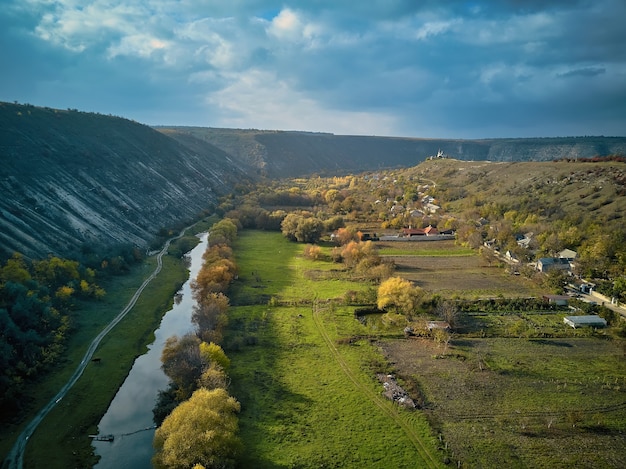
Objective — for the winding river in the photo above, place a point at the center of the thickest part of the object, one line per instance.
(129, 417)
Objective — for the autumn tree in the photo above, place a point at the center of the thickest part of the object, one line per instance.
(209, 316)
(202, 430)
(399, 295)
(214, 374)
(182, 362)
(347, 234)
(214, 355)
(313, 252)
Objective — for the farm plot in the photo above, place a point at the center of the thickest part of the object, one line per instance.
(520, 402)
(464, 276)
(445, 268)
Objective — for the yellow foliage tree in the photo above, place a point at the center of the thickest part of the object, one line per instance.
(399, 295)
(202, 430)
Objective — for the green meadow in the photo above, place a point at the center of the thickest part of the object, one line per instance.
(304, 372)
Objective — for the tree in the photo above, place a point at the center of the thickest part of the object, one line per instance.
(449, 312)
(399, 295)
(224, 230)
(214, 355)
(354, 252)
(182, 363)
(202, 430)
(347, 234)
(209, 315)
(302, 227)
(309, 230)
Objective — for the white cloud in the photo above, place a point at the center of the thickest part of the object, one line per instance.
(286, 25)
(258, 99)
(139, 45)
(435, 28)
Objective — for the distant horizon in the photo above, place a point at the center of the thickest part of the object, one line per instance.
(250, 129)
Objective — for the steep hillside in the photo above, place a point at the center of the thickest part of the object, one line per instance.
(288, 154)
(71, 179)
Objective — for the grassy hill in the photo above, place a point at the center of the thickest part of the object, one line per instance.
(561, 188)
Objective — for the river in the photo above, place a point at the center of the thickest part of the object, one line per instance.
(130, 412)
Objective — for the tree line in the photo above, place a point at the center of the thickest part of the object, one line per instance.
(36, 301)
(197, 417)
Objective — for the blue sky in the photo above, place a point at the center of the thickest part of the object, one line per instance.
(453, 69)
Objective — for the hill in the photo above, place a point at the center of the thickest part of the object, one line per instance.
(290, 154)
(73, 181)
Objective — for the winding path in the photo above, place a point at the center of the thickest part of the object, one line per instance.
(15, 458)
(428, 459)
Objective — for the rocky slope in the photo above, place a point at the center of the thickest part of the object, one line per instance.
(70, 179)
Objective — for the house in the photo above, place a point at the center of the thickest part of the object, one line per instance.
(559, 300)
(432, 208)
(431, 230)
(546, 264)
(568, 254)
(397, 208)
(581, 321)
(524, 240)
(511, 256)
(413, 232)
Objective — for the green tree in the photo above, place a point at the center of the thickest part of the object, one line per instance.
(309, 230)
(223, 231)
(202, 430)
(214, 355)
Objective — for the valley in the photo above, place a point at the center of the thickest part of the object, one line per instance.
(319, 224)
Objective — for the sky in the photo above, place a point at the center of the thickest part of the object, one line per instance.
(412, 68)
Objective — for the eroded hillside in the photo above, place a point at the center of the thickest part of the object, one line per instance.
(71, 179)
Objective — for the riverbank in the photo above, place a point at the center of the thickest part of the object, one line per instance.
(62, 438)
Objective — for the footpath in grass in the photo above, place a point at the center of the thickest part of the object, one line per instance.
(310, 399)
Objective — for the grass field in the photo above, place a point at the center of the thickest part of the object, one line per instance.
(307, 401)
(557, 403)
(310, 399)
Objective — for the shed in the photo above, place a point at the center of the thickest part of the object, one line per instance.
(591, 320)
(560, 300)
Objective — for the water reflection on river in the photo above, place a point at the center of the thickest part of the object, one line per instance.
(130, 412)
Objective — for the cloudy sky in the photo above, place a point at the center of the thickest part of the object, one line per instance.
(420, 68)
